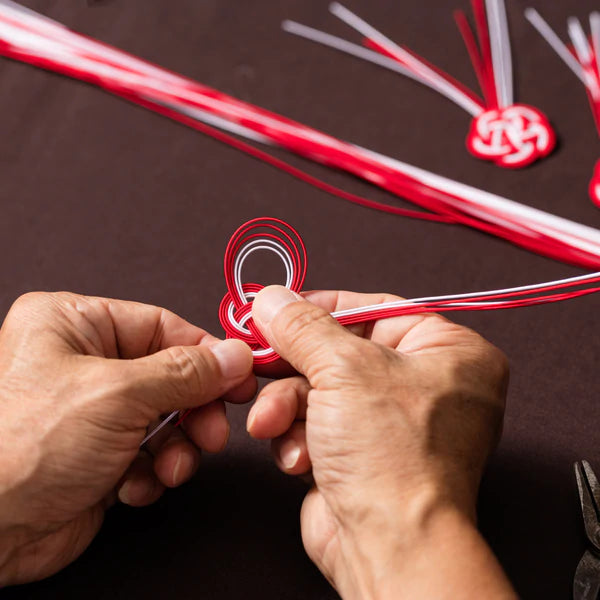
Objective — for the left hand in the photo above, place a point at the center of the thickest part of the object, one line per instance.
(81, 380)
(395, 420)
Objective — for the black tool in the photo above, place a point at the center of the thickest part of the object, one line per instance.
(586, 585)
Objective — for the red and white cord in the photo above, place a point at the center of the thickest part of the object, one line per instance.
(273, 235)
(583, 58)
(512, 135)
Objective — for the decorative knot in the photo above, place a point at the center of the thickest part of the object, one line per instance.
(235, 311)
(513, 137)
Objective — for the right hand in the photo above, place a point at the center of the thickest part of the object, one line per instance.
(395, 419)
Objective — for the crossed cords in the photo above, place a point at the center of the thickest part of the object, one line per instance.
(235, 311)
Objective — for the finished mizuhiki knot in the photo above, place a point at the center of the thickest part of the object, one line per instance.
(513, 137)
(235, 311)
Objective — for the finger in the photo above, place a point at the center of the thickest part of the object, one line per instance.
(177, 461)
(278, 405)
(142, 329)
(185, 376)
(277, 369)
(290, 450)
(242, 393)
(387, 332)
(333, 300)
(208, 427)
(140, 486)
(300, 332)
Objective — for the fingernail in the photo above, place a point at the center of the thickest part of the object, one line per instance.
(289, 454)
(226, 440)
(183, 468)
(234, 358)
(252, 418)
(124, 495)
(270, 301)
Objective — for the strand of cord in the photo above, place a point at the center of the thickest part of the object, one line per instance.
(414, 190)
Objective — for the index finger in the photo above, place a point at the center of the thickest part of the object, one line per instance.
(101, 327)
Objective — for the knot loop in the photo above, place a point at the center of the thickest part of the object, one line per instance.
(235, 311)
(514, 136)
(594, 187)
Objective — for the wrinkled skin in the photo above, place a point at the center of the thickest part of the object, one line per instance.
(73, 416)
(394, 419)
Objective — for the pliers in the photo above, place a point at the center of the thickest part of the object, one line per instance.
(586, 585)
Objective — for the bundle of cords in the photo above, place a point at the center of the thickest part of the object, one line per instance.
(583, 58)
(32, 38)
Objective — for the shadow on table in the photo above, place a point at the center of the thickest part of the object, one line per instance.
(233, 532)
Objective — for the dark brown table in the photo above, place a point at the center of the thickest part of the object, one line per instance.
(104, 198)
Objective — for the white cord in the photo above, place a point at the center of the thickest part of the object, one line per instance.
(495, 33)
(555, 42)
(419, 67)
(584, 53)
(505, 51)
(371, 56)
(433, 299)
(595, 29)
(164, 422)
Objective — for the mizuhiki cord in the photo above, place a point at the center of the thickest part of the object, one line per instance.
(274, 235)
(584, 60)
(511, 135)
(52, 46)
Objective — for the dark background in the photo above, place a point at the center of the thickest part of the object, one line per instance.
(101, 197)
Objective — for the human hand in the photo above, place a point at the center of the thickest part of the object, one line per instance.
(395, 419)
(73, 416)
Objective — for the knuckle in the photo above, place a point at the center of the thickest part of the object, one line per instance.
(497, 362)
(29, 300)
(34, 302)
(301, 321)
(481, 372)
(186, 371)
(27, 309)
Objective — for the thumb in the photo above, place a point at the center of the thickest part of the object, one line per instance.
(189, 376)
(303, 334)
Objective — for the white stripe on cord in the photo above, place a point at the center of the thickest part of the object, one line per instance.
(580, 279)
(595, 29)
(420, 68)
(342, 45)
(45, 26)
(577, 235)
(584, 53)
(506, 52)
(534, 17)
(549, 223)
(496, 46)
